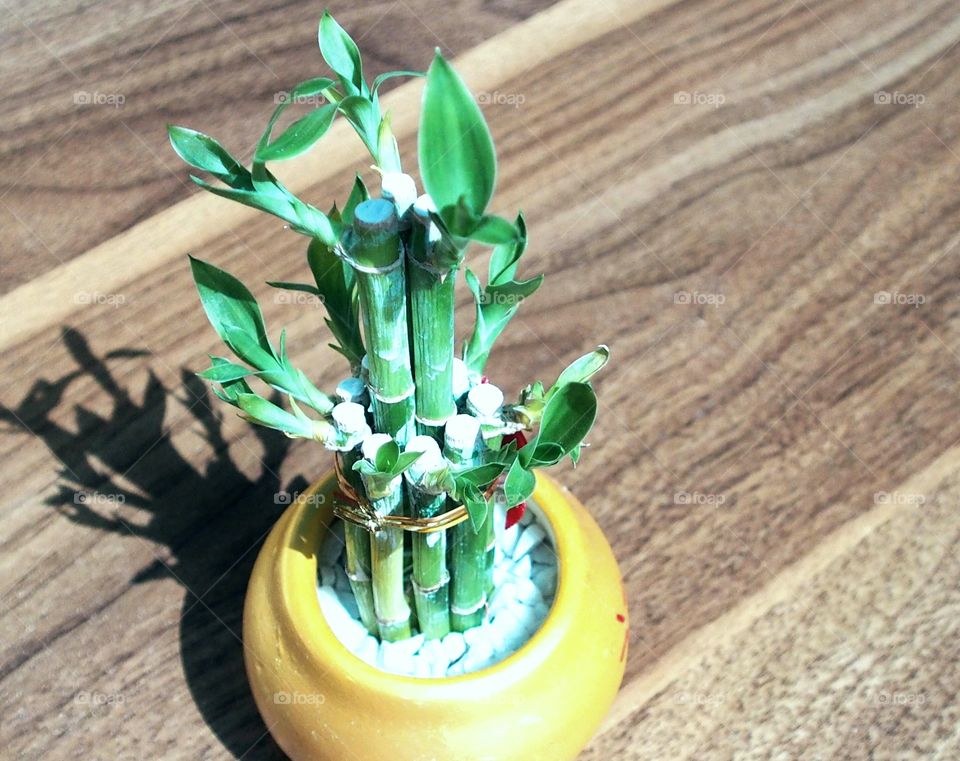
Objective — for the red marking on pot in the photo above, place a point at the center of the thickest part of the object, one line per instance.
(621, 618)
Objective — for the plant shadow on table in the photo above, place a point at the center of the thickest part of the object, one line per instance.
(205, 523)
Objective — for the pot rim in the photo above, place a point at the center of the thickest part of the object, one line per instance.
(297, 568)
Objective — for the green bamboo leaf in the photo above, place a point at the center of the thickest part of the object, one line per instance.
(404, 461)
(365, 119)
(301, 287)
(455, 147)
(495, 307)
(341, 54)
(387, 456)
(391, 74)
(476, 505)
(506, 256)
(203, 152)
(480, 476)
(494, 230)
(300, 136)
(519, 484)
(582, 368)
(230, 389)
(388, 152)
(567, 419)
(358, 194)
(230, 306)
(258, 410)
(225, 372)
(337, 287)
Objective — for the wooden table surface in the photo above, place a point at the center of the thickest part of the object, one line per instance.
(754, 203)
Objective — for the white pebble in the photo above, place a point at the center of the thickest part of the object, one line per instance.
(531, 537)
(348, 630)
(527, 592)
(522, 568)
(473, 635)
(502, 596)
(454, 645)
(544, 555)
(348, 601)
(526, 519)
(328, 577)
(330, 549)
(422, 667)
(545, 577)
(368, 650)
(510, 537)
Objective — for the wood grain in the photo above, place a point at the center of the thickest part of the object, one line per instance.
(753, 203)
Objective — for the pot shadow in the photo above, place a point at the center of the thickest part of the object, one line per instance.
(211, 520)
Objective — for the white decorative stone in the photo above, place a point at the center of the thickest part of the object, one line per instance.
(328, 576)
(544, 555)
(527, 592)
(510, 537)
(455, 646)
(545, 577)
(348, 630)
(531, 537)
(369, 650)
(522, 568)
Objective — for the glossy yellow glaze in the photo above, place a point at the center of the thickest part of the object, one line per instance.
(322, 703)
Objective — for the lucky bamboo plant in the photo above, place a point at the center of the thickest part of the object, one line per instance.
(417, 431)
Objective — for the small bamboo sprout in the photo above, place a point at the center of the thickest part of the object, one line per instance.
(386, 547)
(431, 581)
(468, 557)
(375, 253)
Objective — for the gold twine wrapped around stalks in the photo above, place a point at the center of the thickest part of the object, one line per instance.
(356, 509)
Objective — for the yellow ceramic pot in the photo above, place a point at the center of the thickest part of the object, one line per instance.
(543, 703)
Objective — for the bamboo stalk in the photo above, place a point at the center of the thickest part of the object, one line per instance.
(375, 254)
(431, 580)
(386, 549)
(357, 539)
(431, 286)
(469, 546)
(485, 401)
